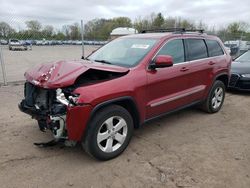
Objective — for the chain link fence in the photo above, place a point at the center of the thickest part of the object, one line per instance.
(36, 44)
(25, 44)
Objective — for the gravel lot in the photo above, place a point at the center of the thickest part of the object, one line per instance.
(17, 62)
(186, 149)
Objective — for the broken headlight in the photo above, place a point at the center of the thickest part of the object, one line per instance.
(72, 99)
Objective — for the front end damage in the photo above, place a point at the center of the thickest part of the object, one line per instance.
(56, 110)
(50, 98)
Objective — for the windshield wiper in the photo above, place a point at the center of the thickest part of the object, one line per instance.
(102, 61)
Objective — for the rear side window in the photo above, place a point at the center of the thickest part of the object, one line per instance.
(175, 49)
(214, 49)
(196, 49)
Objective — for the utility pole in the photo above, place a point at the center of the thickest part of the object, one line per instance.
(3, 66)
(82, 39)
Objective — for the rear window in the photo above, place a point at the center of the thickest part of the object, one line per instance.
(196, 49)
(214, 49)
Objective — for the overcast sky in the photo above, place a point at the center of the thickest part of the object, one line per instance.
(60, 12)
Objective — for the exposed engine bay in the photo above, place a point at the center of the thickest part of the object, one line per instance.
(49, 106)
(42, 105)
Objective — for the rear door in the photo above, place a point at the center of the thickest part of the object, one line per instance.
(216, 55)
(199, 67)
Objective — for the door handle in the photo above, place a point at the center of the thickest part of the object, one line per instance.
(183, 69)
(211, 63)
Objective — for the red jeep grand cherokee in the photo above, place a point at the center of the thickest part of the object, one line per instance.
(100, 100)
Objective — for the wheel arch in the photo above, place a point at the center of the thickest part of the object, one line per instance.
(224, 77)
(126, 102)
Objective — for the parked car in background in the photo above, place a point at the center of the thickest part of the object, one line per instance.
(3, 42)
(99, 101)
(28, 43)
(240, 69)
(15, 44)
(228, 49)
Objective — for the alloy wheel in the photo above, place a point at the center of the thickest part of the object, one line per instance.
(217, 98)
(112, 134)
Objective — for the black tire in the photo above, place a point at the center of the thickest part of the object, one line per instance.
(10, 48)
(97, 123)
(209, 105)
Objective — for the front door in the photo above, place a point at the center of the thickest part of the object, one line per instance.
(168, 88)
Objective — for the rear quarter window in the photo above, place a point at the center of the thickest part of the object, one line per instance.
(214, 48)
(196, 49)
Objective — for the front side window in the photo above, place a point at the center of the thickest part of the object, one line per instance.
(196, 49)
(214, 49)
(126, 52)
(175, 49)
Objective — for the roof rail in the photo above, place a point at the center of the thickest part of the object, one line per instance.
(177, 30)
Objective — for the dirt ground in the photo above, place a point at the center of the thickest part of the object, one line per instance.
(186, 149)
(17, 62)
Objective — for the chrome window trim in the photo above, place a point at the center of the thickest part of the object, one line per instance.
(165, 44)
(197, 60)
(185, 62)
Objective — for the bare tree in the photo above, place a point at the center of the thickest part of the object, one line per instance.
(5, 29)
(48, 30)
(33, 25)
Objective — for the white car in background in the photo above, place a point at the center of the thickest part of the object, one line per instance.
(227, 49)
(15, 44)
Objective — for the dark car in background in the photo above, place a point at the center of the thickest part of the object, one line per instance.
(240, 77)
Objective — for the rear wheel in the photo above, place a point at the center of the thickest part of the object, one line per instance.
(215, 98)
(109, 133)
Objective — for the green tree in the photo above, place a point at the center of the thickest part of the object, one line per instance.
(158, 21)
(237, 27)
(121, 22)
(100, 29)
(75, 32)
(48, 31)
(59, 36)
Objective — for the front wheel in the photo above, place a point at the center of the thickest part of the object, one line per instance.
(215, 99)
(109, 133)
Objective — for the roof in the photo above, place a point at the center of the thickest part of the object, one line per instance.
(163, 35)
(149, 35)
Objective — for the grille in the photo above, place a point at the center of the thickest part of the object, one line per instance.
(36, 96)
(233, 80)
(29, 90)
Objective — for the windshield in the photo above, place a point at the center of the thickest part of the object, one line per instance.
(126, 52)
(244, 57)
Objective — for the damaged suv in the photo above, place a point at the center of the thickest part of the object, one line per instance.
(99, 101)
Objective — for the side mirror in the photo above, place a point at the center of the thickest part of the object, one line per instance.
(161, 61)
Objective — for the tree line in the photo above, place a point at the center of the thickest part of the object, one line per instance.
(100, 28)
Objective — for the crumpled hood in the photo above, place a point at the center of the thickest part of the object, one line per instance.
(64, 73)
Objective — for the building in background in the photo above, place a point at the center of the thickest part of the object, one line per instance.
(122, 31)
